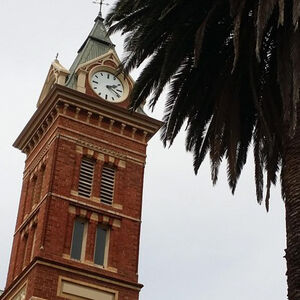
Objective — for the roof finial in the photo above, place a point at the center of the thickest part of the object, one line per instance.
(101, 3)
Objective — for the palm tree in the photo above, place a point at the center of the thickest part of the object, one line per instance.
(233, 69)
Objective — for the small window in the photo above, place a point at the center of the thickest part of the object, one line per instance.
(100, 245)
(40, 185)
(78, 239)
(107, 185)
(33, 192)
(86, 177)
(25, 249)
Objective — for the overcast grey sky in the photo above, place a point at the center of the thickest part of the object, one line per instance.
(197, 241)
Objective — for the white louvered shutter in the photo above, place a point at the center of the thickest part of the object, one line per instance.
(86, 177)
(107, 185)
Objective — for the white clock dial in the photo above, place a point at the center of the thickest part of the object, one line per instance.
(107, 86)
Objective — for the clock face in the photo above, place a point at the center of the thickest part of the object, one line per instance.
(107, 86)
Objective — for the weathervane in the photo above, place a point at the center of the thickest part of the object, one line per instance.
(101, 3)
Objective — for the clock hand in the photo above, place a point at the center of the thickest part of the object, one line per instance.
(115, 92)
(110, 87)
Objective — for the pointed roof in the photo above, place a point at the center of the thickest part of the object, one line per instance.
(96, 44)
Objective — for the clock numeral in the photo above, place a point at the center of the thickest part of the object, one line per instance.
(95, 81)
(119, 91)
(95, 87)
(101, 74)
(114, 78)
(105, 97)
(107, 76)
(96, 76)
(99, 93)
(112, 98)
(118, 95)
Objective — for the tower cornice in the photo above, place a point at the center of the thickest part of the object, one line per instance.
(60, 95)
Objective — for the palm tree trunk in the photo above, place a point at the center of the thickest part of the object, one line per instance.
(291, 189)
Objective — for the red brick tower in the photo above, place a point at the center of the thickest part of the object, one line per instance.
(78, 226)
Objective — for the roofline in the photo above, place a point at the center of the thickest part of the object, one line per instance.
(59, 92)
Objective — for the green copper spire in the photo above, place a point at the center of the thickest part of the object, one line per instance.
(96, 44)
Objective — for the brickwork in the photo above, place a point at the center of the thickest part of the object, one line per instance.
(43, 281)
(59, 135)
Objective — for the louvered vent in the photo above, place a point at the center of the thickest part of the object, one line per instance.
(86, 177)
(107, 185)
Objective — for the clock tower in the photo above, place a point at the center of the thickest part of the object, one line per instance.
(78, 227)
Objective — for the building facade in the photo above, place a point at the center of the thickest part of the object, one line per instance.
(78, 226)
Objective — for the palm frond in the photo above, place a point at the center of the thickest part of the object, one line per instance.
(233, 71)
